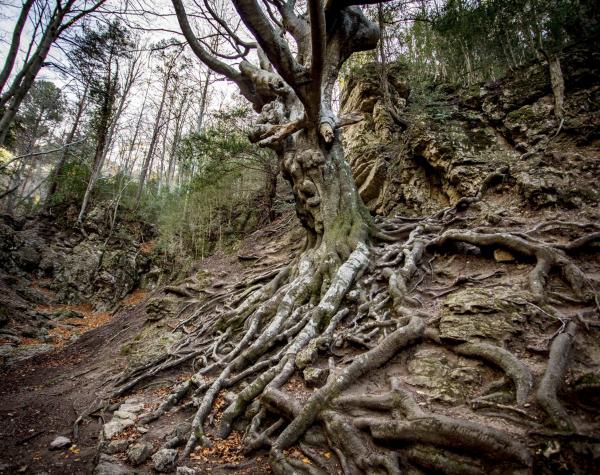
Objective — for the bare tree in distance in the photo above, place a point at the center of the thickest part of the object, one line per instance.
(56, 18)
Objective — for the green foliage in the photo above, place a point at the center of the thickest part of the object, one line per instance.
(71, 183)
(41, 111)
(227, 178)
(465, 41)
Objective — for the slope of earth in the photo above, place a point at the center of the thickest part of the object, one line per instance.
(488, 207)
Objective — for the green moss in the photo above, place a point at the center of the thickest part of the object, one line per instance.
(523, 115)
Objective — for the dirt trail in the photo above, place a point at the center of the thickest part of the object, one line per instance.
(42, 397)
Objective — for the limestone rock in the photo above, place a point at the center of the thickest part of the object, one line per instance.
(115, 426)
(138, 453)
(108, 465)
(115, 447)
(315, 377)
(164, 460)
(133, 408)
(501, 255)
(161, 307)
(308, 355)
(60, 442)
(185, 471)
(124, 414)
(446, 378)
(475, 314)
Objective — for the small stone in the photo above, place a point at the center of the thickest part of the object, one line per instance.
(123, 415)
(131, 408)
(116, 446)
(500, 255)
(108, 465)
(132, 400)
(115, 426)
(315, 377)
(164, 460)
(142, 429)
(138, 453)
(185, 471)
(60, 442)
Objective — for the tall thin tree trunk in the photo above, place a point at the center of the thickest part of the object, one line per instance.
(57, 171)
(11, 56)
(153, 140)
(22, 83)
(98, 161)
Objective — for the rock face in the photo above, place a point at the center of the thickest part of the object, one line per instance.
(491, 315)
(452, 140)
(45, 262)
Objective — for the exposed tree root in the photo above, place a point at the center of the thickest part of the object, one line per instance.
(254, 343)
(512, 366)
(547, 257)
(553, 377)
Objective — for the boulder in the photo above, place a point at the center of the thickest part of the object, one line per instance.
(164, 460)
(115, 446)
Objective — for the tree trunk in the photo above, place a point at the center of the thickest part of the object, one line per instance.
(24, 80)
(58, 169)
(11, 56)
(153, 140)
(103, 129)
(327, 201)
(558, 86)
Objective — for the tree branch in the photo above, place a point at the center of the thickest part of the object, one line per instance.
(272, 44)
(213, 63)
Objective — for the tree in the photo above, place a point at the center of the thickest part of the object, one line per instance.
(41, 111)
(98, 55)
(169, 71)
(61, 18)
(299, 59)
(255, 342)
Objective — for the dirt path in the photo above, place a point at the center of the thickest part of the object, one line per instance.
(42, 397)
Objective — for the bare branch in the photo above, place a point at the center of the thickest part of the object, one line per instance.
(213, 63)
(272, 44)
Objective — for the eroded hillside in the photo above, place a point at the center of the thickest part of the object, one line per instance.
(499, 202)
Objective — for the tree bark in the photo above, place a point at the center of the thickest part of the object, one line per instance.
(103, 129)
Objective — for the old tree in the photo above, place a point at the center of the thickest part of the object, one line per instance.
(351, 266)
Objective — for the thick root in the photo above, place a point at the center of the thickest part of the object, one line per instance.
(512, 366)
(553, 377)
(547, 257)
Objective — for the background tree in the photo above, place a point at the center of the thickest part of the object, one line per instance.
(99, 54)
(41, 112)
(53, 20)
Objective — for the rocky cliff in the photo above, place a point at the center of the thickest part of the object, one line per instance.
(452, 139)
(53, 274)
